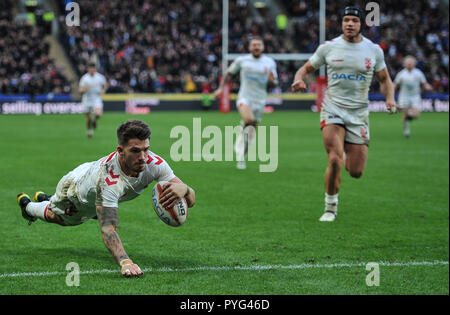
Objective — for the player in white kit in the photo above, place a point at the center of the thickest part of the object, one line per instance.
(94, 190)
(410, 80)
(351, 61)
(92, 85)
(257, 73)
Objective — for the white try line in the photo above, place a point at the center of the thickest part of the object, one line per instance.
(233, 268)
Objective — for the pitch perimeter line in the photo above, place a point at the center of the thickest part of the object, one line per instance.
(234, 268)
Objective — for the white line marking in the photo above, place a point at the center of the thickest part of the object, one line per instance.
(234, 268)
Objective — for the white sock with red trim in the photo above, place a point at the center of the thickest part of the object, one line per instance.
(38, 209)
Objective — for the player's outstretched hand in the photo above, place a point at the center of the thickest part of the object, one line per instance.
(217, 92)
(298, 85)
(391, 107)
(130, 269)
(171, 194)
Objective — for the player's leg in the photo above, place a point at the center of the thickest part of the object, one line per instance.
(98, 111)
(333, 139)
(247, 133)
(249, 123)
(406, 119)
(32, 211)
(89, 125)
(356, 159)
(357, 140)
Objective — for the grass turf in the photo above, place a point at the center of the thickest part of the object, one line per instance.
(397, 212)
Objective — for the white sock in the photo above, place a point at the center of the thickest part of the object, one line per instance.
(240, 146)
(250, 131)
(331, 202)
(38, 209)
(406, 127)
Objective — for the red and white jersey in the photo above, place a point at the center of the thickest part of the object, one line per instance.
(350, 69)
(103, 183)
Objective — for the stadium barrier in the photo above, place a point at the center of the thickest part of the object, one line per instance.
(146, 103)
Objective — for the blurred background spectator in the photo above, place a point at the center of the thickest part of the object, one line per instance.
(25, 65)
(162, 46)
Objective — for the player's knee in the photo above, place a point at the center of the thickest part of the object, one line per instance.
(334, 160)
(355, 173)
(250, 122)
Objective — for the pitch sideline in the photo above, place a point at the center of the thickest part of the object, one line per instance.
(233, 268)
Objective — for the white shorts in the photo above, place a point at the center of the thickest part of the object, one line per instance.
(354, 120)
(65, 202)
(91, 106)
(257, 109)
(409, 101)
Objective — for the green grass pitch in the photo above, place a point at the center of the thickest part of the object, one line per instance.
(250, 232)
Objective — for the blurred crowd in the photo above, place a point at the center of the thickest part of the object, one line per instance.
(161, 46)
(25, 66)
(419, 29)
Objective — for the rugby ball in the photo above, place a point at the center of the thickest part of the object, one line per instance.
(174, 216)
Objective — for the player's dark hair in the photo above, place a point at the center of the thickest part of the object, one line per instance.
(92, 64)
(132, 129)
(255, 37)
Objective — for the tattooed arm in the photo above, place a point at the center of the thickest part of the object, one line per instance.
(108, 219)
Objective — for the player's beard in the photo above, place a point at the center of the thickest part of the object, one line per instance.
(134, 167)
(257, 53)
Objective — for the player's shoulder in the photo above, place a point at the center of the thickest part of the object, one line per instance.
(328, 45)
(401, 73)
(245, 57)
(110, 162)
(418, 71)
(372, 45)
(268, 59)
(154, 160)
(99, 75)
(332, 42)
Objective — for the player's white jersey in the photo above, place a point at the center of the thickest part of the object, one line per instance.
(350, 68)
(254, 74)
(103, 183)
(410, 82)
(92, 96)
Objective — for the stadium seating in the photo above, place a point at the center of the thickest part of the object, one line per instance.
(405, 30)
(171, 47)
(25, 65)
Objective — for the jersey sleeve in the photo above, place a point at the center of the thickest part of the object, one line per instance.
(235, 67)
(398, 78)
(83, 82)
(422, 77)
(274, 69)
(108, 190)
(318, 59)
(165, 172)
(379, 61)
(103, 80)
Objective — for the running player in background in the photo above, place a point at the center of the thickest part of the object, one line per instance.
(351, 61)
(257, 73)
(410, 80)
(92, 85)
(95, 189)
